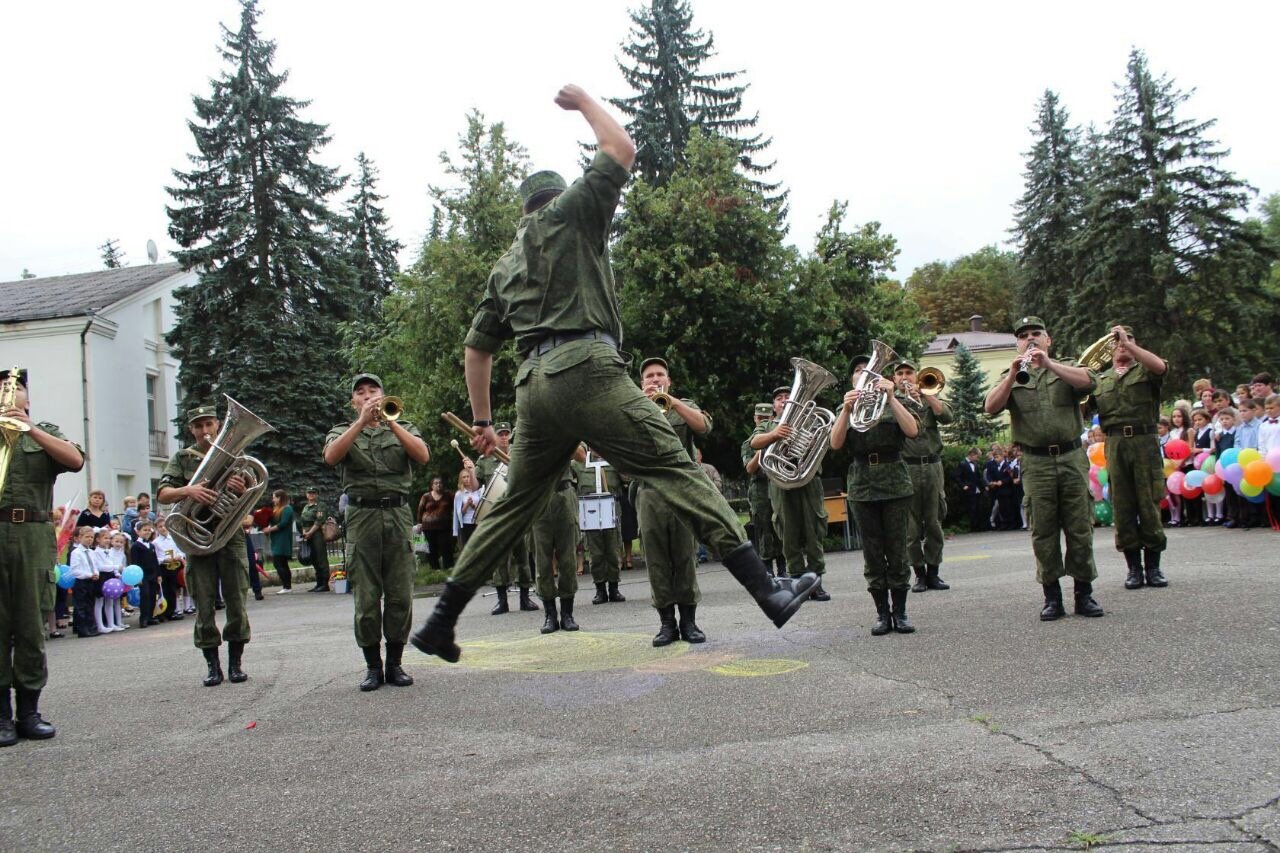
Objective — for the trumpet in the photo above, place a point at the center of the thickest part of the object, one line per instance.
(662, 399)
(930, 381)
(390, 408)
(1023, 376)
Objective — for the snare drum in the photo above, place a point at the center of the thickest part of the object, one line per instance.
(597, 512)
(493, 491)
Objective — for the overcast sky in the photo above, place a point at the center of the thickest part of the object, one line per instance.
(917, 114)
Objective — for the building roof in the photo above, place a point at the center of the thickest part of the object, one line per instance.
(975, 341)
(73, 295)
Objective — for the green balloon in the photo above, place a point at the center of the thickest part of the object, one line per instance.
(1102, 511)
(1103, 476)
(1274, 486)
(1209, 464)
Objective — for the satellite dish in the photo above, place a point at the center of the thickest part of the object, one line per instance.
(153, 254)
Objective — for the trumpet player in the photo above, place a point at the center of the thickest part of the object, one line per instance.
(374, 456)
(225, 567)
(880, 490)
(1045, 416)
(923, 455)
(517, 566)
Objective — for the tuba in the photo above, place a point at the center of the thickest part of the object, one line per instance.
(870, 405)
(201, 528)
(793, 461)
(1100, 353)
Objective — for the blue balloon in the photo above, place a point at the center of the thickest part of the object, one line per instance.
(1195, 479)
(132, 575)
(65, 580)
(1229, 456)
(135, 597)
(1258, 498)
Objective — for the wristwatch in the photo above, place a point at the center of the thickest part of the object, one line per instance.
(482, 423)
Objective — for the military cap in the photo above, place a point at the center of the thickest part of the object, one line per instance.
(502, 426)
(905, 363)
(198, 412)
(1028, 322)
(653, 359)
(764, 410)
(539, 183)
(781, 389)
(366, 377)
(22, 376)
(858, 361)
(312, 490)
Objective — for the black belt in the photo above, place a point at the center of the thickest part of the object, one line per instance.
(1130, 429)
(388, 502)
(1052, 449)
(922, 460)
(878, 458)
(19, 515)
(550, 342)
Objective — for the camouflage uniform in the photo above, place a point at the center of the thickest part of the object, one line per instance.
(923, 455)
(801, 517)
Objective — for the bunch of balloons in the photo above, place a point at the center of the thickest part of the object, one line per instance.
(1246, 470)
(1099, 483)
(113, 588)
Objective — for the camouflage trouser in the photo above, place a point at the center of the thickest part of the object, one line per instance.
(594, 400)
(1058, 502)
(516, 566)
(670, 551)
(804, 524)
(555, 542)
(604, 552)
(1137, 484)
(380, 557)
(768, 542)
(226, 567)
(883, 525)
(26, 553)
(928, 508)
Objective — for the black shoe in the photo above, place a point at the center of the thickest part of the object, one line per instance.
(235, 652)
(901, 623)
(884, 616)
(373, 668)
(689, 630)
(667, 631)
(601, 596)
(1133, 580)
(552, 623)
(919, 585)
(526, 602)
(932, 579)
(174, 617)
(1085, 605)
(779, 598)
(29, 724)
(818, 593)
(219, 605)
(436, 636)
(321, 588)
(8, 734)
(502, 606)
(396, 676)
(1053, 608)
(614, 595)
(1154, 576)
(214, 678)
(257, 594)
(567, 621)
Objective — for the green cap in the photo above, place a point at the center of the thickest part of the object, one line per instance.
(905, 363)
(22, 376)
(538, 183)
(764, 410)
(858, 361)
(781, 389)
(502, 426)
(199, 412)
(653, 359)
(1029, 322)
(313, 490)
(366, 377)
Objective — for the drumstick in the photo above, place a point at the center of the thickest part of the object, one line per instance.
(453, 442)
(462, 426)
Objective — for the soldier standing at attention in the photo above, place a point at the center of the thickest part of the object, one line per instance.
(801, 512)
(517, 563)
(374, 457)
(1045, 417)
(767, 541)
(880, 490)
(553, 292)
(555, 546)
(670, 549)
(223, 569)
(312, 522)
(923, 455)
(603, 546)
(36, 457)
(1128, 403)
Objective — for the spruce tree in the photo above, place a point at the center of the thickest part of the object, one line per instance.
(369, 250)
(967, 390)
(112, 257)
(251, 218)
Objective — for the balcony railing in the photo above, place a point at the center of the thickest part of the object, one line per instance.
(159, 443)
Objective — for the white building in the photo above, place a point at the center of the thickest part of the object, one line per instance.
(93, 345)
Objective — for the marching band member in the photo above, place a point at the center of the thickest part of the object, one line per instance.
(923, 455)
(519, 561)
(767, 540)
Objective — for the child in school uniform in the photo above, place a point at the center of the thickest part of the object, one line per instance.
(143, 555)
(86, 575)
(103, 610)
(117, 559)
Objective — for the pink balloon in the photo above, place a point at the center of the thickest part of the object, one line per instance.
(1175, 482)
(1273, 459)
(1200, 457)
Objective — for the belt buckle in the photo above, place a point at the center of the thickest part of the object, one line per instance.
(18, 515)
(1054, 449)
(1127, 432)
(873, 458)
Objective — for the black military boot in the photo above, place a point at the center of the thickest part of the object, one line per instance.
(552, 623)
(436, 636)
(235, 652)
(884, 616)
(602, 595)
(1085, 605)
(1133, 559)
(8, 734)
(818, 593)
(779, 598)
(614, 594)
(1155, 577)
(373, 668)
(919, 585)
(667, 632)
(689, 630)
(526, 603)
(395, 674)
(901, 623)
(567, 621)
(214, 678)
(29, 725)
(1053, 608)
(933, 580)
(502, 606)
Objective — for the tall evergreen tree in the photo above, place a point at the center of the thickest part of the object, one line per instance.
(967, 390)
(674, 94)
(251, 218)
(112, 257)
(1049, 213)
(369, 249)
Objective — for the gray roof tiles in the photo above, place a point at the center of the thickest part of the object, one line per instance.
(73, 295)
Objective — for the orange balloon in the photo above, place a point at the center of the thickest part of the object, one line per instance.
(1098, 454)
(1258, 473)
